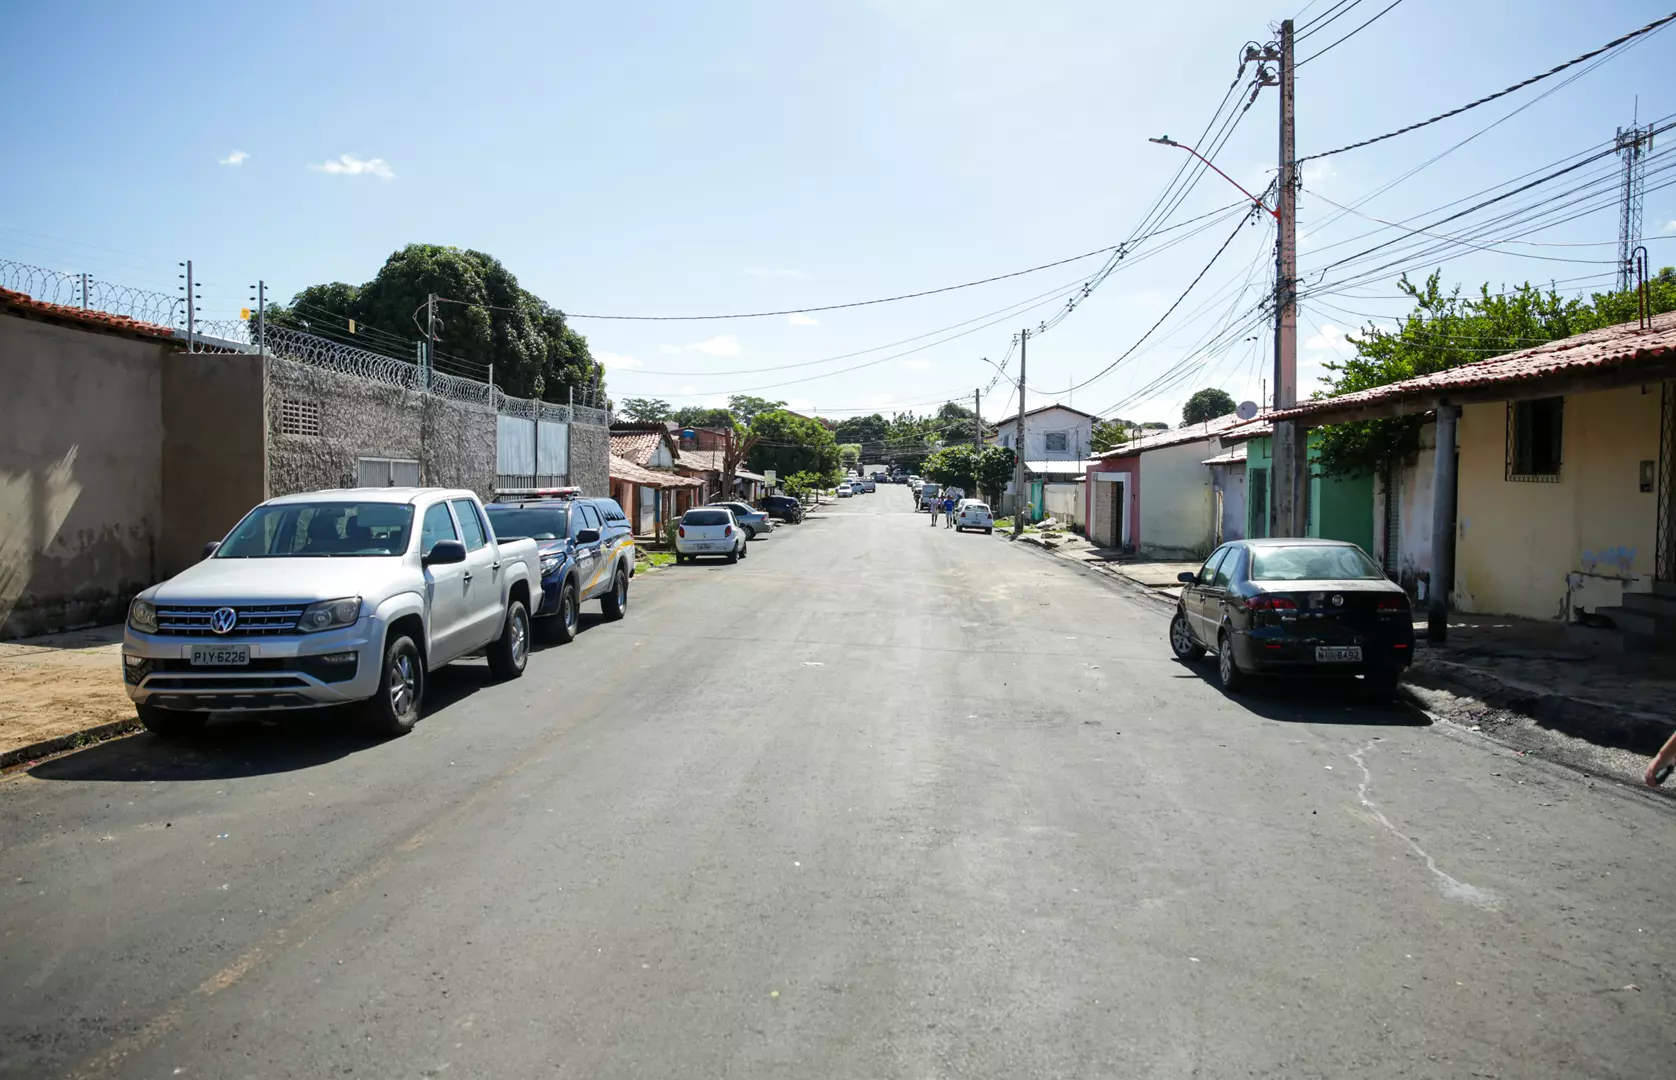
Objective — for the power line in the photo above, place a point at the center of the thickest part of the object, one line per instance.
(1348, 36)
(1649, 28)
(1321, 21)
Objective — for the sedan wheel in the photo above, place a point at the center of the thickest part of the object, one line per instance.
(1181, 639)
(1233, 679)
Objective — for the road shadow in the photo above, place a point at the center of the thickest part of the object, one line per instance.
(1309, 700)
(585, 621)
(234, 745)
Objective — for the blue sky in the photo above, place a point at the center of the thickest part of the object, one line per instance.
(681, 158)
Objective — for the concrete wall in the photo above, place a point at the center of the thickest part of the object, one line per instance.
(1111, 524)
(1533, 549)
(1065, 502)
(215, 450)
(1411, 487)
(1078, 430)
(590, 464)
(1175, 500)
(454, 442)
(81, 436)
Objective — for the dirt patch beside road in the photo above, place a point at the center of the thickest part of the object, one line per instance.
(59, 685)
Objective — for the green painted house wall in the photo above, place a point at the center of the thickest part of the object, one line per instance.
(1338, 509)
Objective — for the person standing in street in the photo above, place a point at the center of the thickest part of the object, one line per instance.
(948, 512)
(934, 505)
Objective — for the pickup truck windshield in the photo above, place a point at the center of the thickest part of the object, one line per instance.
(320, 530)
(537, 523)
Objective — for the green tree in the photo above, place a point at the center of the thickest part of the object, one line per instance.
(483, 317)
(1207, 404)
(953, 466)
(792, 444)
(995, 470)
(645, 410)
(849, 456)
(869, 432)
(1155, 425)
(745, 408)
(1445, 330)
(1110, 434)
(695, 416)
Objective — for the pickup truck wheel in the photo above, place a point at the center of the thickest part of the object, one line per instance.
(560, 627)
(615, 603)
(394, 709)
(171, 723)
(510, 652)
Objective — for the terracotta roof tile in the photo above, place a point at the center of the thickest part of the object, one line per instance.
(635, 446)
(623, 469)
(13, 302)
(1611, 346)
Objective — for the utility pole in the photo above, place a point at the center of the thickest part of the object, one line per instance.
(430, 339)
(1290, 438)
(1632, 145)
(1018, 463)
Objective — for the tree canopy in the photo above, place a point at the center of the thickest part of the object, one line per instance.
(745, 408)
(484, 317)
(645, 410)
(1446, 330)
(965, 466)
(1207, 404)
(792, 444)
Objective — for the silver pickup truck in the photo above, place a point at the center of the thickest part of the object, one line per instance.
(331, 598)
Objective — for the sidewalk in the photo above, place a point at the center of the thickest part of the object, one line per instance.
(1157, 578)
(61, 688)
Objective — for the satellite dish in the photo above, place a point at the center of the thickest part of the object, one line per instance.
(1247, 410)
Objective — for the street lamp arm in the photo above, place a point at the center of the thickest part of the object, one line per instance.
(1167, 141)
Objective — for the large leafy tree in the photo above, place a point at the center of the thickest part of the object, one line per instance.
(849, 455)
(1110, 434)
(1445, 330)
(1207, 404)
(745, 408)
(965, 466)
(484, 317)
(697, 416)
(645, 410)
(791, 444)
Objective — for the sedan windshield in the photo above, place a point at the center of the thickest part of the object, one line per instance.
(1312, 562)
(320, 530)
(537, 523)
(705, 517)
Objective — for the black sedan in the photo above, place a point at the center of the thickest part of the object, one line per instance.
(1294, 607)
(783, 508)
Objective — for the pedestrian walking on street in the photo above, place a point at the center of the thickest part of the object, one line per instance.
(948, 513)
(1664, 759)
(934, 505)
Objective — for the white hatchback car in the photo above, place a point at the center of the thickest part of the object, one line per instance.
(845, 491)
(709, 530)
(972, 514)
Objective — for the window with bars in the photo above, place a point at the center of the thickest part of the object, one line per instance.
(1056, 442)
(299, 417)
(1535, 434)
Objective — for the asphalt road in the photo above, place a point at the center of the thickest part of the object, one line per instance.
(879, 801)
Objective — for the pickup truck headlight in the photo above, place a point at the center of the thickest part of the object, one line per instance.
(142, 616)
(550, 563)
(330, 615)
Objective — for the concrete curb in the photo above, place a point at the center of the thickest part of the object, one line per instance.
(1100, 569)
(72, 741)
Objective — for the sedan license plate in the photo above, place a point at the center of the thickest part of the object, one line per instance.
(1338, 654)
(220, 655)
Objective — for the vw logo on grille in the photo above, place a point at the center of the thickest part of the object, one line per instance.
(223, 619)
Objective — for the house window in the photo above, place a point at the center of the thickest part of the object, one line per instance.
(299, 417)
(1534, 433)
(1057, 442)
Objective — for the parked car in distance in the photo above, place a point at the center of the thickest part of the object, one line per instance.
(331, 598)
(845, 491)
(783, 508)
(1294, 607)
(755, 522)
(709, 531)
(928, 494)
(972, 514)
(587, 553)
(869, 485)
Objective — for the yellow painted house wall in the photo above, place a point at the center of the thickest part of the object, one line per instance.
(1528, 548)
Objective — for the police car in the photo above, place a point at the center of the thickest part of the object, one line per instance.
(587, 553)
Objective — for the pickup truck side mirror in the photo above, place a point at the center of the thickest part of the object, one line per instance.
(211, 548)
(445, 552)
(587, 536)
(1187, 577)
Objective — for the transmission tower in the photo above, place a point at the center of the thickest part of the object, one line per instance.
(1632, 145)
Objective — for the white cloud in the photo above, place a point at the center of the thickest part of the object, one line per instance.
(237, 157)
(777, 272)
(720, 345)
(800, 404)
(1330, 339)
(797, 318)
(918, 363)
(350, 165)
(1670, 226)
(1318, 173)
(617, 361)
(688, 390)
